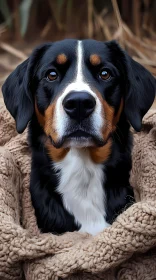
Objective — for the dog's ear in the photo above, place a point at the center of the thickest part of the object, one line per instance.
(17, 96)
(140, 86)
(17, 92)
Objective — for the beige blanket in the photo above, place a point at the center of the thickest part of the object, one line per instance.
(124, 251)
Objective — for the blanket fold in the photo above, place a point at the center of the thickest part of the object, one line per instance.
(123, 251)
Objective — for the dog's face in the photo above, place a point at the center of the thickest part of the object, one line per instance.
(79, 93)
(78, 90)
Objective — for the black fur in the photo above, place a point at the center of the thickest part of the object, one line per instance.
(130, 81)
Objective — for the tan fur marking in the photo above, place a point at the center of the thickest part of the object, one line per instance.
(109, 116)
(48, 125)
(56, 154)
(99, 155)
(40, 117)
(117, 117)
(95, 59)
(61, 59)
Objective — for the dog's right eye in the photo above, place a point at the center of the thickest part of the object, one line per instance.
(52, 76)
(105, 75)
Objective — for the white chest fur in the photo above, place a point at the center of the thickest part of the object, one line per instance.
(81, 188)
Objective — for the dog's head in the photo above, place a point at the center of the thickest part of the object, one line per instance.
(78, 90)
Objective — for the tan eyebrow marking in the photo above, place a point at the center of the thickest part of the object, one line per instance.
(61, 58)
(95, 59)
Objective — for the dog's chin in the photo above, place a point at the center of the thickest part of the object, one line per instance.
(79, 142)
(79, 139)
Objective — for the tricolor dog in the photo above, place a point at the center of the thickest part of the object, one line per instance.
(79, 98)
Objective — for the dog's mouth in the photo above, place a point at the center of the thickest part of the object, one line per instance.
(79, 133)
(79, 138)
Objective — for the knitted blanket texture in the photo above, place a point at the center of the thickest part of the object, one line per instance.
(124, 251)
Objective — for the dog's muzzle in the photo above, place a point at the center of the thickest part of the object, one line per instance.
(80, 122)
(80, 107)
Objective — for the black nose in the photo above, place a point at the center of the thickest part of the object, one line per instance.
(79, 104)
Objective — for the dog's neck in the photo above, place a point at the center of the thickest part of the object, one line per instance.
(81, 187)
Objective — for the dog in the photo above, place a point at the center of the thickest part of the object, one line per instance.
(80, 99)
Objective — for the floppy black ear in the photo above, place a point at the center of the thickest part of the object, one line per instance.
(17, 96)
(140, 85)
(17, 93)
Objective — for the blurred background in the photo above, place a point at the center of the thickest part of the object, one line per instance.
(27, 23)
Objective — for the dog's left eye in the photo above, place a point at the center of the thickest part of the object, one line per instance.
(52, 76)
(105, 75)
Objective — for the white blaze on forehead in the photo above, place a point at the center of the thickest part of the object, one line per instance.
(79, 83)
(80, 61)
